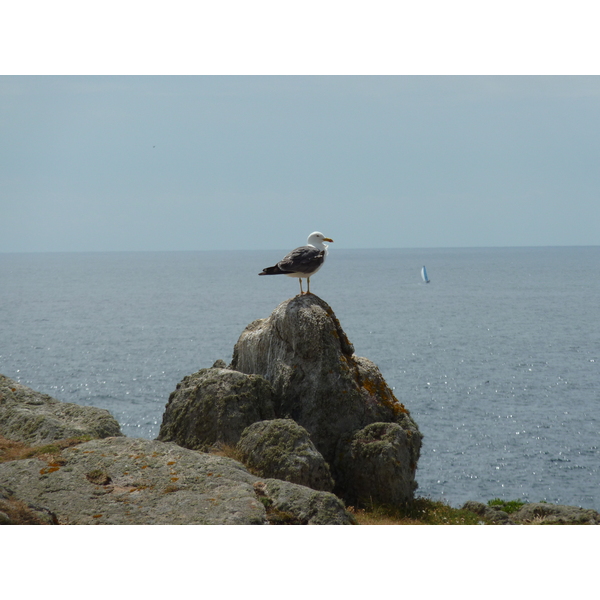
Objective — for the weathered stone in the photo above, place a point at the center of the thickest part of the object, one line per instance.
(290, 504)
(36, 418)
(214, 406)
(151, 482)
(282, 449)
(378, 464)
(535, 513)
(14, 511)
(488, 513)
(555, 514)
(302, 350)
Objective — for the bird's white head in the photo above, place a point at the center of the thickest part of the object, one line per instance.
(316, 239)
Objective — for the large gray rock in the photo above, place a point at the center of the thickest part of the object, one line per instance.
(120, 481)
(35, 418)
(302, 350)
(214, 406)
(282, 449)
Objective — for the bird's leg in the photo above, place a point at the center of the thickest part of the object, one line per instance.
(308, 285)
(301, 290)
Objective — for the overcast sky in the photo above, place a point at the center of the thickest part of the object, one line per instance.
(99, 163)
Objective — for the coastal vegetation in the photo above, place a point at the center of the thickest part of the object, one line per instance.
(15, 450)
(422, 511)
(508, 506)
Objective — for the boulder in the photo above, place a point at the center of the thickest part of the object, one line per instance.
(282, 449)
(120, 481)
(291, 504)
(378, 465)
(535, 513)
(214, 406)
(555, 514)
(317, 380)
(35, 418)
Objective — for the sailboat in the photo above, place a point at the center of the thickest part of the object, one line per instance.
(424, 275)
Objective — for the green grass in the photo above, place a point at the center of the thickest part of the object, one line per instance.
(422, 511)
(508, 506)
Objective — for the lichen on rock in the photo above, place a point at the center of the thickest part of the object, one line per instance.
(379, 463)
(304, 353)
(129, 481)
(214, 406)
(282, 449)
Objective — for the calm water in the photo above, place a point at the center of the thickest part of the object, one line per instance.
(497, 358)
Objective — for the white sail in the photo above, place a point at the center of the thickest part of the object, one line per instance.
(424, 275)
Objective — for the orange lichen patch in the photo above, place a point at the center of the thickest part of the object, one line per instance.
(174, 478)
(171, 462)
(96, 516)
(137, 488)
(381, 390)
(47, 470)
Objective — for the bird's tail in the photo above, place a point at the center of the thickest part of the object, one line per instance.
(272, 271)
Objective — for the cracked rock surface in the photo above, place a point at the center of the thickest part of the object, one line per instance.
(128, 481)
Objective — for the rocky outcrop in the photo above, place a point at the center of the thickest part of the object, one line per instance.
(119, 481)
(303, 352)
(214, 406)
(282, 449)
(490, 514)
(535, 513)
(35, 418)
(542, 513)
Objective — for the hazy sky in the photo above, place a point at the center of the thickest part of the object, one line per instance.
(99, 163)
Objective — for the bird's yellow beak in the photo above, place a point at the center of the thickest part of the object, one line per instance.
(327, 240)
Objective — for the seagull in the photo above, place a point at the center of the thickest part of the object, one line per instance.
(303, 262)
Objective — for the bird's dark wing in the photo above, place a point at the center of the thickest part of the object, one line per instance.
(305, 259)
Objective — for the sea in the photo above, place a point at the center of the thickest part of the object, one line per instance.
(497, 358)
